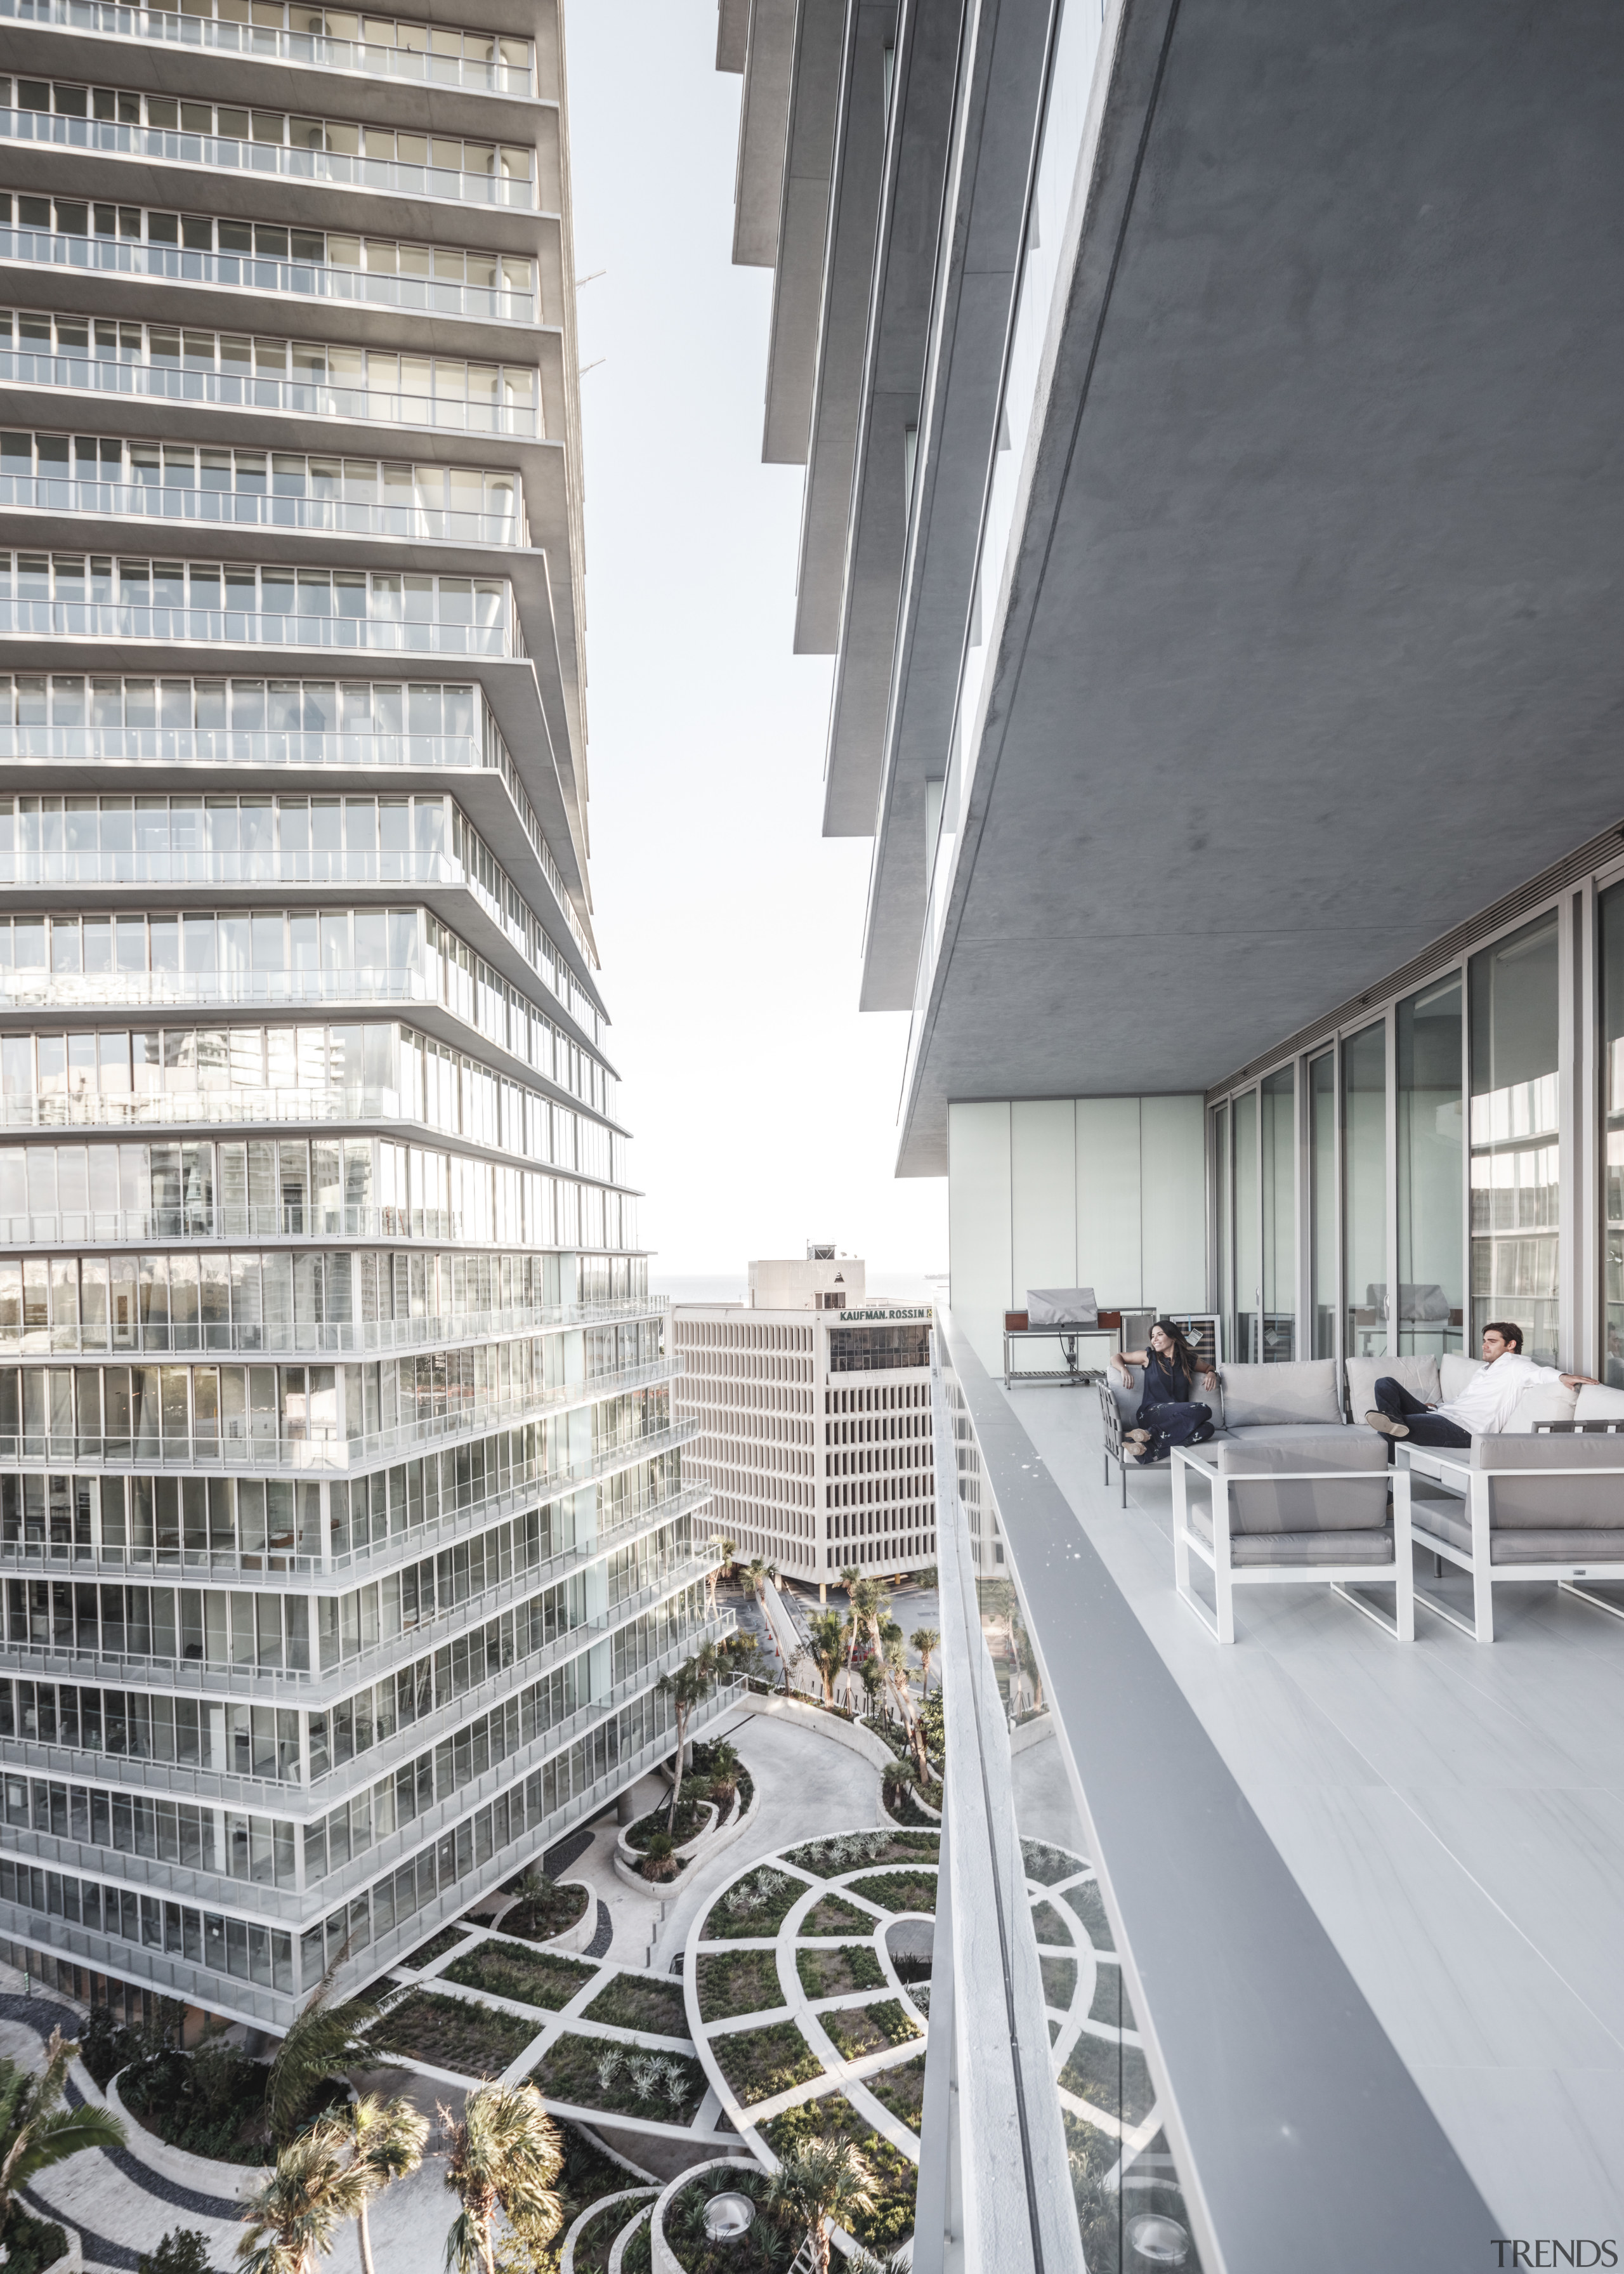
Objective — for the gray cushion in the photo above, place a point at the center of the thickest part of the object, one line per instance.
(1312, 1549)
(1127, 1400)
(1454, 1371)
(1419, 1376)
(1342, 1503)
(1543, 1483)
(1448, 1521)
(1304, 1390)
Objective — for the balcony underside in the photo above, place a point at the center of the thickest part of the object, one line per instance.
(1313, 648)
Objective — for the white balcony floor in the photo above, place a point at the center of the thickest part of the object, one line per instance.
(1455, 1813)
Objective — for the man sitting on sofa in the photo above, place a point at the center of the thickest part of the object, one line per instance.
(1483, 1408)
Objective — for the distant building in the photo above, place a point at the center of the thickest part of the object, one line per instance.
(813, 1407)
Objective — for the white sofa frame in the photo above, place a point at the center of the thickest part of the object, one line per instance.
(1218, 1558)
(1451, 1468)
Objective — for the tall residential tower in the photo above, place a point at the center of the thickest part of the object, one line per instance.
(342, 1510)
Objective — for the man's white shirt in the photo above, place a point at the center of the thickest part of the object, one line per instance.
(1490, 1398)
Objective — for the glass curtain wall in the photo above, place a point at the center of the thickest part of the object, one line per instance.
(1431, 1166)
(1225, 1257)
(1364, 1189)
(1243, 1341)
(1322, 1200)
(1516, 1132)
(1612, 1089)
(1277, 1108)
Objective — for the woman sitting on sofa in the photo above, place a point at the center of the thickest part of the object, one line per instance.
(1167, 1417)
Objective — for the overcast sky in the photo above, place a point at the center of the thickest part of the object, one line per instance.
(763, 1106)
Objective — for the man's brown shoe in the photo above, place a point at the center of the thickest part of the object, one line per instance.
(1387, 1426)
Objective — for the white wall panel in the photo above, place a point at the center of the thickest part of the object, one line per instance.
(1173, 1234)
(1042, 1194)
(977, 1223)
(1108, 1199)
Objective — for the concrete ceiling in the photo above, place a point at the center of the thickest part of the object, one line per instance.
(1314, 642)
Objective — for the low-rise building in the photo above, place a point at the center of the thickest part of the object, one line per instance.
(813, 1407)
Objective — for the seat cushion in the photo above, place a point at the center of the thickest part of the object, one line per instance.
(1312, 1549)
(1303, 1391)
(1553, 1484)
(1344, 1490)
(1419, 1376)
(1447, 1520)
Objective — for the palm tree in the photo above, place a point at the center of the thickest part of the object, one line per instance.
(723, 1552)
(755, 1574)
(388, 2138)
(36, 2130)
(825, 1648)
(689, 1687)
(323, 2040)
(505, 2156)
(927, 1641)
(820, 2186)
(317, 2187)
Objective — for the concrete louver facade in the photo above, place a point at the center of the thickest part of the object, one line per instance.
(343, 1524)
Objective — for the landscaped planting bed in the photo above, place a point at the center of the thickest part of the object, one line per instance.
(1085, 1901)
(1111, 2003)
(591, 2072)
(630, 2001)
(436, 1947)
(903, 1807)
(587, 2174)
(899, 1891)
(596, 2239)
(692, 1819)
(450, 2033)
(759, 2063)
(860, 2030)
(1060, 1983)
(758, 1904)
(1112, 2077)
(538, 1918)
(1050, 1927)
(892, 2177)
(32, 2245)
(832, 1973)
(209, 2103)
(766, 2247)
(738, 1982)
(530, 1977)
(846, 1850)
(1046, 1865)
(901, 2090)
(832, 1916)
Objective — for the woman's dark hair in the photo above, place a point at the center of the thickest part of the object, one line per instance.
(1184, 1351)
(1506, 1332)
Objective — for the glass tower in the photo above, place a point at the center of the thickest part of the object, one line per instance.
(342, 1519)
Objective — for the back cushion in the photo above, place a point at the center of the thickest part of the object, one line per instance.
(1304, 1391)
(1527, 1497)
(1597, 1403)
(1303, 1503)
(1419, 1376)
(1545, 1402)
(1454, 1371)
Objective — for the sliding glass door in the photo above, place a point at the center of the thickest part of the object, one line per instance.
(1431, 1168)
(1365, 1190)
(1243, 1339)
(1515, 1136)
(1277, 1107)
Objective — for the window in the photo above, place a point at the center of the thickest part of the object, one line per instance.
(1364, 1189)
(1277, 1105)
(1515, 1136)
(1430, 1170)
(1322, 1200)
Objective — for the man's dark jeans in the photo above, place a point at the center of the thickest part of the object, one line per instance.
(1400, 1404)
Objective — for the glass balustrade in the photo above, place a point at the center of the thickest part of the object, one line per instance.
(333, 40)
(226, 139)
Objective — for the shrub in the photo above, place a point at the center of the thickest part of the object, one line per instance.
(210, 2103)
(32, 2244)
(183, 2250)
(660, 1860)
